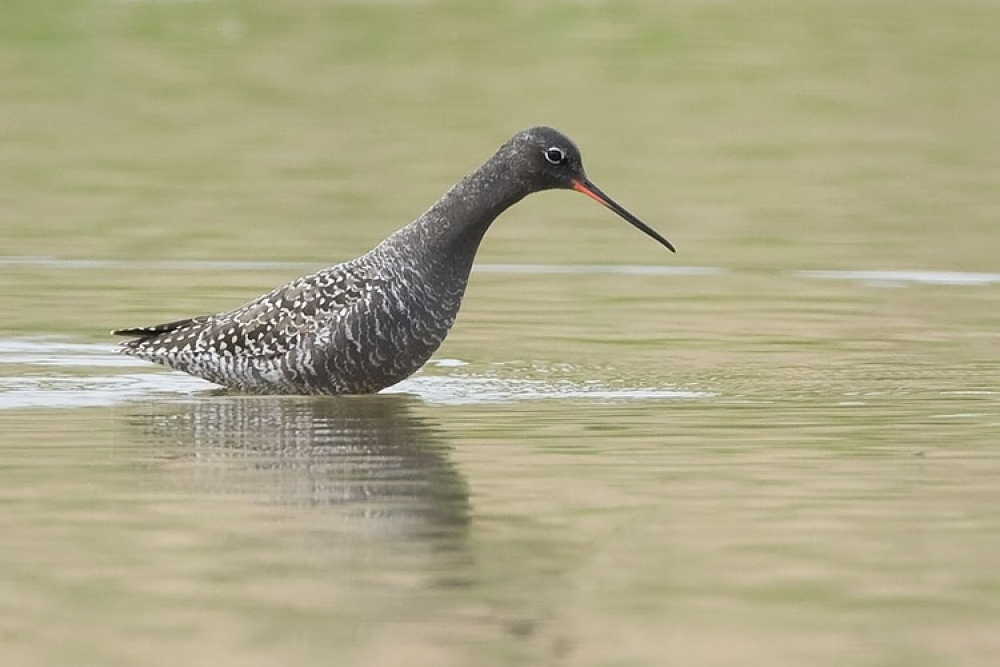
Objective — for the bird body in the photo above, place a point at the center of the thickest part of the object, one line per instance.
(368, 323)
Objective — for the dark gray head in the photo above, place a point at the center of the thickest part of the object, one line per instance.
(548, 160)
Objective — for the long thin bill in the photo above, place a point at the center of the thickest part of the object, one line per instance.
(592, 191)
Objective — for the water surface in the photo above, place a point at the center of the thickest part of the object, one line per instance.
(816, 485)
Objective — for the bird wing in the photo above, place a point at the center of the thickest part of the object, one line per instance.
(269, 325)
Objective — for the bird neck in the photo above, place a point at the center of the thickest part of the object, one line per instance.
(450, 231)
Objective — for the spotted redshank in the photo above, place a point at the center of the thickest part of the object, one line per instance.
(366, 324)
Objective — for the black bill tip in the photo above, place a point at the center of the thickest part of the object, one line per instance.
(592, 191)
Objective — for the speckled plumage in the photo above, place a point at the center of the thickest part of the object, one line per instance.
(368, 323)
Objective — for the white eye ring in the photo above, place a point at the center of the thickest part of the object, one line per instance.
(555, 155)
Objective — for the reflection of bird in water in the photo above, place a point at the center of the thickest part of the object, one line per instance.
(368, 455)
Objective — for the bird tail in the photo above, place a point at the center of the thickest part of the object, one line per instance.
(155, 330)
(142, 334)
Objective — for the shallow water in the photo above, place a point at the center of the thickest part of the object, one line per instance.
(818, 487)
(779, 447)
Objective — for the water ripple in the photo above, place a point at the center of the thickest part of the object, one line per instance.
(898, 278)
(877, 277)
(457, 387)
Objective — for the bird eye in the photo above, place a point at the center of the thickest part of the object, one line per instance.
(555, 155)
